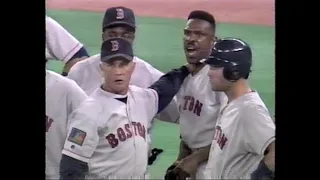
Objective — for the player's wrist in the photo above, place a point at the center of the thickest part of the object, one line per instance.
(195, 157)
(201, 155)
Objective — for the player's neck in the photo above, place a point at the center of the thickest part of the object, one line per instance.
(197, 69)
(238, 89)
(105, 87)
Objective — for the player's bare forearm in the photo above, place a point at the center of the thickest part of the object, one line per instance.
(201, 155)
(184, 151)
(187, 167)
(80, 55)
(72, 62)
(269, 158)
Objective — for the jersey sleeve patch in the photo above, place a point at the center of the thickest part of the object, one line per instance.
(77, 136)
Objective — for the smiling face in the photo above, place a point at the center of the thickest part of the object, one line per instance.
(117, 74)
(198, 40)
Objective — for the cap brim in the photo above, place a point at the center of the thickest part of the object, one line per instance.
(125, 56)
(120, 23)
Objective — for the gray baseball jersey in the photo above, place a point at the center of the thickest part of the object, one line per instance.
(199, 110)
(243, 132)
(112, 139)
(60, 44)
(62, 97)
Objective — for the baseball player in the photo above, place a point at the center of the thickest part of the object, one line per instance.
(61, 45)
(199, 105)
(107, 136)
(120, 22)
(243, 144)
(62, 97)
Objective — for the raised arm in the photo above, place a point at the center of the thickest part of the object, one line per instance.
(168, 85)
(62, 45)
(171, 112)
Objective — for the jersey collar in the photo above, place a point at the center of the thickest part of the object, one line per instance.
(112, 95)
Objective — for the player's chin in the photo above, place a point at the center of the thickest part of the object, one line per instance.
(215, 87)
(193, 59)
(120, 86)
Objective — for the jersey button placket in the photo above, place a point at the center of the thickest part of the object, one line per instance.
(132, 129)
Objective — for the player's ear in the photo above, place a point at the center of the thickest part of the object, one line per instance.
(214, 39)
(103, 37)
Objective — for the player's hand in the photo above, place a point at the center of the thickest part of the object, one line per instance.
(170, 175)
(187, 167)
(170, 168)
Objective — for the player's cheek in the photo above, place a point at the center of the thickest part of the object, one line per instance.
(111, 77)
(213, 75)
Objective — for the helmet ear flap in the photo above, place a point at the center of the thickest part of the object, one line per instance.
(231, 73)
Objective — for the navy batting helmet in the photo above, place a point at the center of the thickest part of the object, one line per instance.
(234, 55)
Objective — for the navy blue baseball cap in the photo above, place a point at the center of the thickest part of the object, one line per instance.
(118, 16)
(116, 48)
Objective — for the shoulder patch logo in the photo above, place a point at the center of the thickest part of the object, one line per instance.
(77, 136)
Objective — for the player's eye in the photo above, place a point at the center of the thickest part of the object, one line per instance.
(127, 35)
(186, 32)
(112, 35)
(124, 63)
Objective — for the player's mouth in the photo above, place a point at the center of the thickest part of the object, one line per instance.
(118, 81)
(191, 49)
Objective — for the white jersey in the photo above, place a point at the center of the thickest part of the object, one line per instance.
(62, 97)
(60, 44)
(87, 74)
(243, 132)
(199, 109)
(110, 135)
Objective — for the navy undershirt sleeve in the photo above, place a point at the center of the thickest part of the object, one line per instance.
(168, 86)
(71, 168)
(81, 53)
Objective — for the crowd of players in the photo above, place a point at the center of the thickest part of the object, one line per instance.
(99, 117)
